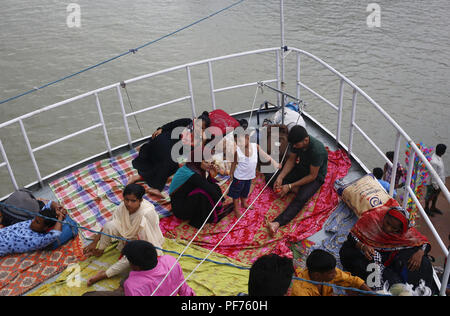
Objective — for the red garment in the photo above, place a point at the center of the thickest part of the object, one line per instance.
(250, 239)
(369, 231)
(221, 119)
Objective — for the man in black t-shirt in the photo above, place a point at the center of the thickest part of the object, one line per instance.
(303, 174)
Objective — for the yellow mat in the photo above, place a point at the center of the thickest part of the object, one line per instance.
(210, 279)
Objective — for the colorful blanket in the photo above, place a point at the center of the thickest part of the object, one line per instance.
(20, 273)
(210, 279)
(249, 239)
(90, 194)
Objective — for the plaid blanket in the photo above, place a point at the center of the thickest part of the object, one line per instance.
(91, 194)
(20, 273)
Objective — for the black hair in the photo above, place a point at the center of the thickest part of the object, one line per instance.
(270, 275)
(48, 212)
(297, 134)
(243, 123)
(136, 189)
(378, 173)
(205, 118)
(390, 155)
(440, 149)
(320, 261)
(141, 253)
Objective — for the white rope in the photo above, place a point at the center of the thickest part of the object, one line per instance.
(204, 223)
(254, 101)
(232, 227)
(212, 250)
(195, 236)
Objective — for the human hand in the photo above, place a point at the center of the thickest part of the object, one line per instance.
(59, 209)
(61, 216)
(415, 261)
(368, 251)
(156, 133)
(92, 250)
(213, 170)
(276, 165)
(284, 190)
(278, 183)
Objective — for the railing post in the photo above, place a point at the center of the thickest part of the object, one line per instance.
(445, 277)
(428, 222)
(191, 91)
(278, 77)
(412, 157)
(211, 84)
(298, 75)
(352, 127)
(341, 104)
(282, 39)
(30, 151)
(8, 166)
(102, 121)
(394, 164)
(124, 115)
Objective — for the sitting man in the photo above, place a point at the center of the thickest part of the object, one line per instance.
(148, 270)
(270, 275)
(303, 173)
(321, 267)
(33, 234)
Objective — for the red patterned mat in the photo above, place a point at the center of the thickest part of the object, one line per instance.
(20, 273)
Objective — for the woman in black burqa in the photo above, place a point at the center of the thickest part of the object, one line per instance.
(154, 162)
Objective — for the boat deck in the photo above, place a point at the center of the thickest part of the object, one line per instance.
(442, 225)
(355, 172)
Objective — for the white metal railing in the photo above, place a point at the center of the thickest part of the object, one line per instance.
(280, 77)
(6, 164)
(101, 124)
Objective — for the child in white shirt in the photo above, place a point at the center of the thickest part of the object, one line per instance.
(243, 170)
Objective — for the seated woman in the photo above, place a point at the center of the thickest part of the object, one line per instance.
(33, 234)
(134, 219)
(154, 162)
(193, 196)
(382, 236)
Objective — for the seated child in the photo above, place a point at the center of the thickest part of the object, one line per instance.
(148, 270)
(243, 169)
(321, 267)
(31, 235)
(270, 275)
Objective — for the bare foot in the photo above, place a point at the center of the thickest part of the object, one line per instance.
(246, 206)
(237, 213)
(155, 192)
(98, 277)
(273, 228)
